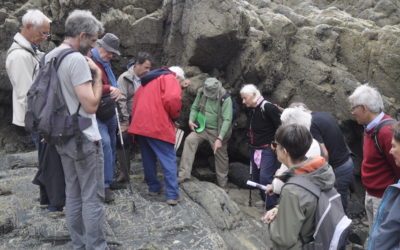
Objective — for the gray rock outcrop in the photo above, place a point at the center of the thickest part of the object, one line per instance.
(207, 218)
(315, 51)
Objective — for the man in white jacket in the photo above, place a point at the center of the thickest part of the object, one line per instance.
(23, 58)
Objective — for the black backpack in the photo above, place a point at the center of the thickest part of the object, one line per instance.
(235, 108)
(47, 113)
(332, 226)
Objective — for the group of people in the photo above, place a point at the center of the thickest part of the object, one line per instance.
(283, 143)
(310, 144)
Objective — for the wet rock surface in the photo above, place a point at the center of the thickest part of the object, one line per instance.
(207, 218)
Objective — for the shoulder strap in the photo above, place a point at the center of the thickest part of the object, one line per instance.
(63, 53)
(378, 127)
(58, 59)
(306, 184)
(262, 106)
(202, 102)
(224, 97)
(21, 47)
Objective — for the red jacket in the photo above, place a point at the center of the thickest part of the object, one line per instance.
(154, 106)
(378, 171)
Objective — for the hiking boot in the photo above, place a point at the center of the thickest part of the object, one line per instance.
(156, 193)
(108, 196)
(174, 202)
(121, 178)
(118, 185)
(56, 214)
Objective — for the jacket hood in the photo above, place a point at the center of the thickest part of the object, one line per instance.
(315, 169)
(153, 75)
(21, 42)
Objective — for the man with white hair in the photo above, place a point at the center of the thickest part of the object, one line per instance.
(156, 105)
(22, 61)
(22, 65)
(106, 48)
(378, 168)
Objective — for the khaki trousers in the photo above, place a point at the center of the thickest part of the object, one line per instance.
(192, 142)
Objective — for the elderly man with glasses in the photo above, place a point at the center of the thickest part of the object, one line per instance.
(22, 63)
(378, 169)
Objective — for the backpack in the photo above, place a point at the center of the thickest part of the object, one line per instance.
(235, 109)
(47, 113)
(226, 95)
(331, 223)
(378, 127)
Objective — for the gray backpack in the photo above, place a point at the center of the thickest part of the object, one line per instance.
(331, 223)
(47, 113)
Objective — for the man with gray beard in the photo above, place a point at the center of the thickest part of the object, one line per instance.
(82, 155)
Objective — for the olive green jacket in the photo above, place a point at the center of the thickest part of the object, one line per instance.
(294, 223)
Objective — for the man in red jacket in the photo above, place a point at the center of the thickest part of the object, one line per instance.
(378, 170)
(156, 105)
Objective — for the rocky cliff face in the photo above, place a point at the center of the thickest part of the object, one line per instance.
(312, 51)
(315, 51)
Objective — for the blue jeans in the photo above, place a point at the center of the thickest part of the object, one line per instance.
(344, 178)
(265, 174)
(108, 132)
(152, 149)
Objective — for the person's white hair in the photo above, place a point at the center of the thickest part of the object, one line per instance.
(368, 96)
(179, 72)
(35, 17)
(296, 116)
(299, 105)
(251, 89)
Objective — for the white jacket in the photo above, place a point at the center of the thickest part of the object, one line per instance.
(22, 65)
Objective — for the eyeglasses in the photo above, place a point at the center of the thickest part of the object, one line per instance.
(355, 107)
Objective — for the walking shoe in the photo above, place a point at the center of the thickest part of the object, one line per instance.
(175, 202)
(118, 185)
(56, 214)
(43, 205)
(108, 196)
(156, 193)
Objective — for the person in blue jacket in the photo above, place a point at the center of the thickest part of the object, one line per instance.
(385, 233)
